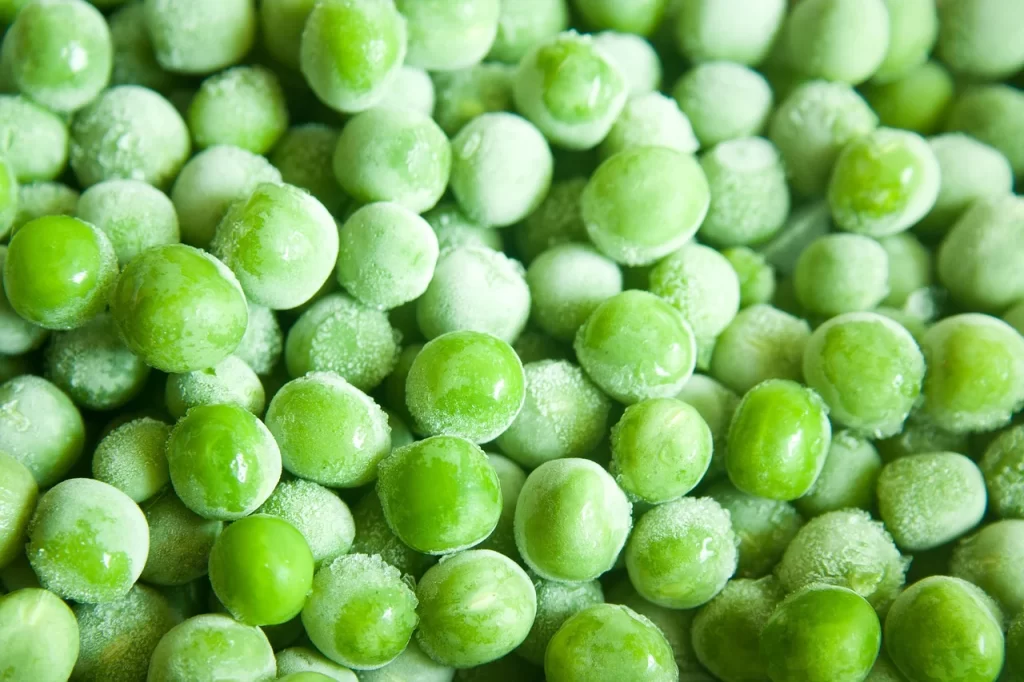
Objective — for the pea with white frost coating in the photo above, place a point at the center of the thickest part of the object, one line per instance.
(841, 273)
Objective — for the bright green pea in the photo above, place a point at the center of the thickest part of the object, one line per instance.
(556, 603)
(975, 378)
(571, 520)
(681, 553)
(755, 274)
(40, 427)
(963, 639)
(821, 633)
(708, 30)
(447, 35)
(18, 495)
(196, 37)
(640, 17)
(361, 613)
(847, 481)
(637, 346)
(223, 461)
(351, 51)
(329, 431)
(608, 642)
(59, 271)
(638, 223)
(212, 647)
(916, 101)
(727, 630)
(475, 607)
(929, 499)
(59, 54)
(841, 273)
(299, 659)
(261, 569)
(179, 308)
(87, 541)
(993, 559)
(466, 384)
(38, 635)
(978, 38)
(992, 114)
(723, 101)
(1001, 465)
(375, 537)
(179, 541)
(131, 458)
(17, 335)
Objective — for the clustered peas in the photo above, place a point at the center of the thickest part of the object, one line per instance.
(512, 340)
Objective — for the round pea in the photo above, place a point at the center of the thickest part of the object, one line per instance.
(244, 106)
(707, 30)
(131, 458)
(134, 215)
(299, 659)
(447, 35)
(34, 140)
(19, 493)
(977, 38)
(196, 37)
(375, 537)
(847, 481)
(556, 603)
(760, 343)
(317, 512)
(1001, 466)
(650, 119)
(841, 273)
(230, 381)
(991, 114)
(38, 635)
(993, 559)
(40, 427)
(195, 650)
(724, 101)
(837, 40)
(179, 541)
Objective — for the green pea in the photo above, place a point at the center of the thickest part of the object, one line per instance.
(556, 603)
(929, 499)
(131, 458)
(230, 381)
(821, 633)
(706, 30)
(649, 119)
(511, 478)
(475, 607)
(916, 100)
(963, 637)
(375, 537)
(847, 481)
(977, 38)
(299, 659)
(179, 541)
(38, 635)
(134, 215)
(913, 30)
(281, 24)
(557, 220)
(760, 343)
(837, 40)
(305, 154)
(317, 512)
(521, 25)
(919, 437)
(641, 66)
(197, 38)
(463, 95)
(179, 309)
(1001, 465)
(262, 344)
(571, 520)
(454, 229)
(447, 35)
(724, 101)
(244, 106)
(329, 431)
(993, 559)
(991, 114)
(608, 642)
(196, 650)
(18, 495)
(841, 273)
(361, 613)
(40, 427)
(778, 440)
(755, 274)
(34, 140)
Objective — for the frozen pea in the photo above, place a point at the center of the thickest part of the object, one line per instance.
(763, 527)
(821, 633)
(501, 169)
(570, 90)
(978, 38)
(447, 35)
(564, 415)
(179, 541)
(837, 40)
(755, 274)
(262, 344)
(778, 440)
(117, 638)
(847, 481)
(210, 182)
(727, 630)
(134, 61)
(975, 378)
(609, 642)
(361, 613)
(193, 37)
(567, 282)
(963, 632)
(439, 495)
(1001, 466)
(304, 156)
(556, 221)
(521, 25)
(868, 369)
(280, 242)
(412, 664)
(394, 155)
(661, 449)
(993, 559)
(640, 17)
(883, 183)
(650, 119)
(351, 52)
(556, 603)
(88, 541)
(454, 229)
(849, 549)
(128, 132)
(17, 335)
(59, 54)
(243, 107)
(178, 308)
(467, 384)
(760, 343)
(555, 538)
(18, 493)
(723, 101)
(979, 261)
(339, 334)
(319, 514)
(636, 346)
(812, 125)
(916, 101)
(42, 199)
(640, 64)
(281, 24)
(511, 478)
(38, 635)
(197, 651)
(910, 267)
(329, 431)
(299, 659)
(637, 222)
(133, 214)
(992, 114)
(375, 537)
(841, 273)
(34, 141)
(681, 553)
(461, 96)
(40, 427)
(475, 289)
(412, 89)
(970, 170)
(131, 458)
(231, 381)
(913, 31)
(708, 30)
(929, 499)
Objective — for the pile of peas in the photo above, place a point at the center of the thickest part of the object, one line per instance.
(512, 340)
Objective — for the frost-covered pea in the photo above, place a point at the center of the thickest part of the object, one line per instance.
(281, 25)
(837, 40)
(197, 37)
(992, 114)
(993, 559)
(511, 478)
(454, 228)
(374, 536)
(179, 541)
(913, 31)
(195, 650)
(133, 214)
(650, 119)
(34, 141)
(461, 96)
(556, 603)
(134, 61)
(636, 59)
(709, 30)
(39, 635)
(848, 479)
(411, 89)
(230, 381)
(978, 38)
(567, 282)
(521, 25)
(640, 17)
(244, 107)
(19, 491)
(763, 527)
(910, 267)
(557, 220)
(755, 274)
(760, 343)
(304, 155)
(723, 101)
(841, 273)
(1001, 465)
(447, 35)
(263, 343)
